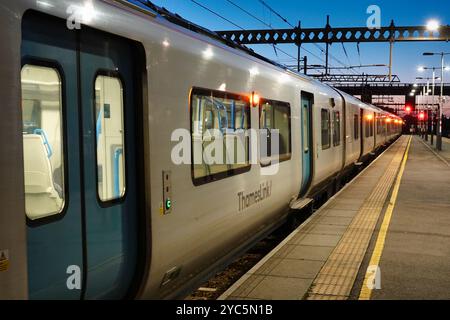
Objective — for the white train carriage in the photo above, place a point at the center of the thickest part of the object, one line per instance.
(107, 212)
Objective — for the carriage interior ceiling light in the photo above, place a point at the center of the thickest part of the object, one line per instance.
(369, 117)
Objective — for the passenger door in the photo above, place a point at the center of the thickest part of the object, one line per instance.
(109, 112)
(79, 107)
(307, 101)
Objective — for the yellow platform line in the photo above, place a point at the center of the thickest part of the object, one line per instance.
(366, 290)
(337, 276)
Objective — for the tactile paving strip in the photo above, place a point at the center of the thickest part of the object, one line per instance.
(335, 279)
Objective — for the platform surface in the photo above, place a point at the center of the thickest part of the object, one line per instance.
(328, 256)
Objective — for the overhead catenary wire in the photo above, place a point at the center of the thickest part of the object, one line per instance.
(216, 14)
(268, 25)
(275, 12)
(234, 24)
(264, 3)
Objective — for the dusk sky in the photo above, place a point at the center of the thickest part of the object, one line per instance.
(407, 56)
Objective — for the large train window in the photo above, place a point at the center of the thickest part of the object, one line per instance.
(111, 175)
(275, 115)
(356, 126)
(43, 153)
(325, 129)
(336, 129)
(220, 142)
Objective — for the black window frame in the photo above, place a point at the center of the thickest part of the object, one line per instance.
(356, 126)
(325, 146)
(117, 75)
(53, 64)
(196, 91)
(369, 125)
(336, 131)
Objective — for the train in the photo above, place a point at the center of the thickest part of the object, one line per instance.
(99, 201)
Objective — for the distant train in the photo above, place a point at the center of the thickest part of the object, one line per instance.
(92, 205)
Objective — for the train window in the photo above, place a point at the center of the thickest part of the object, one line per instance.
(305, 131)
(43, 148)
(275, 115)
(336, 129)
(109, 124)
(369, 126)
(325, 128)
(220, 142)
(380, 122)
(372, 127)
(356, 127)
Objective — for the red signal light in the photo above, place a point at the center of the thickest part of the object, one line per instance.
(421, 116)
(408, 109)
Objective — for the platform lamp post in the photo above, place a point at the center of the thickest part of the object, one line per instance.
(434, 78)
(441, 97)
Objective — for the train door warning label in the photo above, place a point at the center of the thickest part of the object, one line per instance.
(4, 260)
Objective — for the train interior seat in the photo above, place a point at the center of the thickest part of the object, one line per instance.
(41, 196)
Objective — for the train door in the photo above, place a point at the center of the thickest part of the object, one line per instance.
(79, 132)
(307, 101)
(109, 162)
(362, 131)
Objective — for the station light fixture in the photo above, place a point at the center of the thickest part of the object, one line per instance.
(433, 25)
(369, 117)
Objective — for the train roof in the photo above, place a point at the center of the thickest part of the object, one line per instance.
(175, 18)
(163, 13)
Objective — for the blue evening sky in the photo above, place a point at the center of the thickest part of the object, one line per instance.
(407, 56)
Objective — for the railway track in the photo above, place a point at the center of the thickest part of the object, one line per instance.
(221, 281)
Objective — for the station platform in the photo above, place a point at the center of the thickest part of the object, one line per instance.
(385, 235)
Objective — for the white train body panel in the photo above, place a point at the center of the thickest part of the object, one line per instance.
(205, 224)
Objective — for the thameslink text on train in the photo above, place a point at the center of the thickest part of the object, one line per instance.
(247, 200)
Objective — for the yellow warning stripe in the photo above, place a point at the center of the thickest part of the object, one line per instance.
(366, 290)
